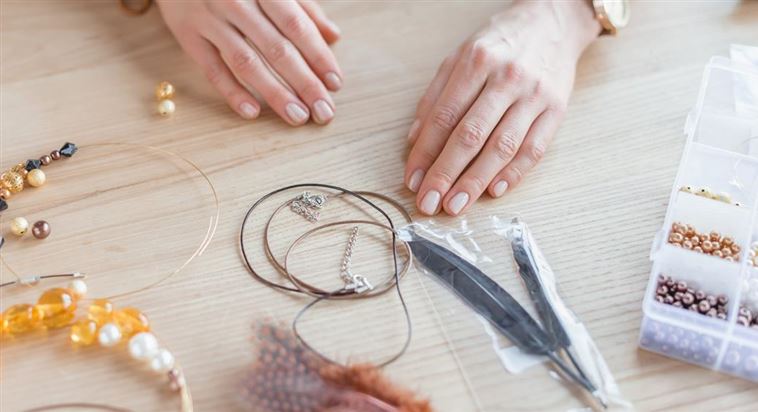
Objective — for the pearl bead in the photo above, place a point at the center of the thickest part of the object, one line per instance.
(164, 90)
(45, 160)
(78, 287)
(41, 229)
(143, 346)
(55, 155)
(724, 197)
(36, 178)
(163, 361)
(166, 107)
(109, 335)
(19, 226)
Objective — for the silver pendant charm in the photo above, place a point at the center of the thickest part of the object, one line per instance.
(308, 205)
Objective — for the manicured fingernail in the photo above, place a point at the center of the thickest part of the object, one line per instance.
(296, 113)
(248, 111)
(430, 202)
(333, 81)
(415, 181)
(414, 129)
(500, 188)
(458, 202)
(322, 111)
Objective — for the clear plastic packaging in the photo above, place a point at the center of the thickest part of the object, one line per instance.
(720, 154)
(505, 252)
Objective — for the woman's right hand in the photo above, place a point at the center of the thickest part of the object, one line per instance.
(279, 48)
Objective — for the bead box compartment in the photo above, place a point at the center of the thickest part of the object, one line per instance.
(720, 155)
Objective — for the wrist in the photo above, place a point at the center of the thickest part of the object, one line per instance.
(573, 20)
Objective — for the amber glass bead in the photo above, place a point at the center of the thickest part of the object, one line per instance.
(84, 332)
(164, 90)
(131, 322)
(58, 306)
(100, 311)
(22, 318)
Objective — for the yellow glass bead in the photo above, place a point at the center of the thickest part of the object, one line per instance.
(58, 306)
(164, 90)
(36, 178)
(22, 318)
(84, 332)
(13, 181)
(100, 311)
(131, 321)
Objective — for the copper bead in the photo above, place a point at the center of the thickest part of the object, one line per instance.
(45, 160)
(55, 155)
(41, 229)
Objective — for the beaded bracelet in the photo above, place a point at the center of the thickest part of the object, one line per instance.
(30, 173)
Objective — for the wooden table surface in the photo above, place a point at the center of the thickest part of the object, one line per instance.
(85, 72)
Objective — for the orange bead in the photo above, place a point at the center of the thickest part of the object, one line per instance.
(58, 306)
(100, 311)
(131, 321)
(22, 318)
(84, 332)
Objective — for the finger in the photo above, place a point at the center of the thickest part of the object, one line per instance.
(285, 59)
(296, 25)
(249, 68)
(464, 144)
(430, 96)
(531, 151)
(500, 149)
(329, 30)
(218, 74)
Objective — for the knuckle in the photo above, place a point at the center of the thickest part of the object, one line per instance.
(477, 184)
(514, 72)
(244, 60)
(515, 174)
(281, 50)
(507, 145)
(557, 106)
(443, 176)
(310, 90)
(536, 152)
(215, 74)
(296, 25)
(471, 136)
(481, 54)
(445, 118)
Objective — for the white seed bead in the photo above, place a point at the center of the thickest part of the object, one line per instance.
(36, 178)
(163, 361)
(143, 346)
(725, 197)
(166, 107)
(19, 226)
(109, 335)
(78, 287)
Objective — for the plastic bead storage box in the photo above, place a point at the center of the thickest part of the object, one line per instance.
(716, 190)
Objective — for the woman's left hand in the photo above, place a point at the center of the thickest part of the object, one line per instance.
(494, 105)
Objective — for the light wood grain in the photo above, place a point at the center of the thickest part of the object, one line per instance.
(85, 72)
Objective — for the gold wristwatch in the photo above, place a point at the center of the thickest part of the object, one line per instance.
(612, 14)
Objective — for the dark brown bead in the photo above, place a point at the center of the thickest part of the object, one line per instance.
(721, 309)
(681, 286)
(723, 299)
(711, 300)
(45, 160)
(55, 155)
(703, 306)
(41, 229)
(688, 299)
(668, 299)
(699, 295)
(721, 316)
(662, 290)
(659, 298)
(692, 308)
(670, 283)
(711, 313)
(741, 320)
(677, 304)
(691, 291)
(678, 296)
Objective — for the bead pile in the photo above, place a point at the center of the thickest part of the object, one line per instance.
(713, 243)
(707, 193)
(163, 93)
(56, 308)
(679, 294)
(30, 173)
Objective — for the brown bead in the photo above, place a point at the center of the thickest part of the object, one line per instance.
(703, 306)
(681, 286)
(715, 236)
(743, 321)
(712, 300)
(5, 193)
(55, 155)
(688, 299)
(698, 249)
(678, 296)
(670, 283)
(677, 304)
(659, 298)
(45, 160)
(721, 316)
(662, 290)
(695, 240)
(727, 241)
(668, 299)
(707, 246)
(41, 229)
(711, 313)
(718, 253)
(676, 238)
(693, 308)
(699, 295)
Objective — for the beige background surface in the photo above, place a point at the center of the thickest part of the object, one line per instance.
(85, 72)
